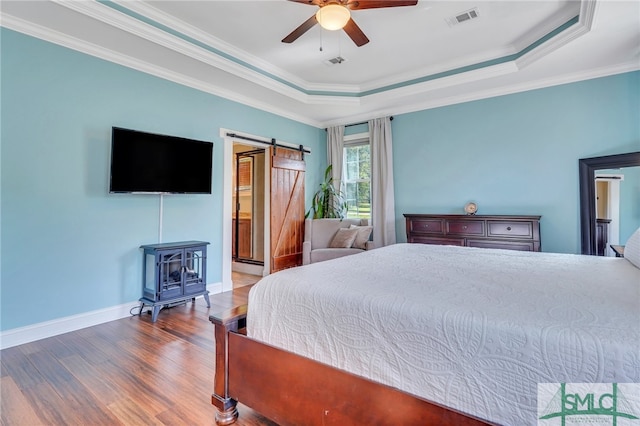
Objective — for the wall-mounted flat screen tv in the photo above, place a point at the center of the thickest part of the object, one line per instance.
(159, 164)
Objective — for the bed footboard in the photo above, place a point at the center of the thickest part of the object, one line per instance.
(292, 390)
(225, 323)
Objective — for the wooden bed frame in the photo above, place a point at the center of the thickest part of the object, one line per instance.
(294, 390)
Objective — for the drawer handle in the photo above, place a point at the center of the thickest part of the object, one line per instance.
(464, 227)
(508, 228)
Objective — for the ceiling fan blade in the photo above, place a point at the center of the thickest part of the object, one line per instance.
(355, 33)
(311, 2)
(306, 26)
(376, 4)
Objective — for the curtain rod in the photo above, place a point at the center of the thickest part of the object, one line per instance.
(272, 142)
(362, 122)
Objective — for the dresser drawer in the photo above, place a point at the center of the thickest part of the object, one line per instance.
(437, 241)
(506, 245)
(465, 227)
(510, 229)
(430, 226)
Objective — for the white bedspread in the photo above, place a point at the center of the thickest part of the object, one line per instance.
(473, 329)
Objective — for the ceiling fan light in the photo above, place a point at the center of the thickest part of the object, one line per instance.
(333, 17)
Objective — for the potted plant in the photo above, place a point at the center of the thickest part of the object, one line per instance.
(328, 202)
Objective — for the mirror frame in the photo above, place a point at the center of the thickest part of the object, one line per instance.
(587, 174)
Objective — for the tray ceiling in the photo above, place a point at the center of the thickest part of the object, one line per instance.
(416, 58)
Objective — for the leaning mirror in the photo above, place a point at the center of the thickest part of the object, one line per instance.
(587, 172)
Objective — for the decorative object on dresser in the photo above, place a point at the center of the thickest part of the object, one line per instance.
(498, 231)
(471, 208)
(173, 273)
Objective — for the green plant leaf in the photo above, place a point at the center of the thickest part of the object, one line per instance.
(328, 202)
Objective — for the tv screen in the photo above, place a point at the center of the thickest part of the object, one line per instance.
(151, 163)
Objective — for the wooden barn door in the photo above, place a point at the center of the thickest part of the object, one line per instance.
(287, 208)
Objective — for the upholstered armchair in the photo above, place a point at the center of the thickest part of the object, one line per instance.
(326, 239)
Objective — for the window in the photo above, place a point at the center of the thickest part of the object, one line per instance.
(357, 178)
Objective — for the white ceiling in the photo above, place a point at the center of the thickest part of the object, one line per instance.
(415, 59)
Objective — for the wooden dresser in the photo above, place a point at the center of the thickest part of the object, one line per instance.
(502, 232)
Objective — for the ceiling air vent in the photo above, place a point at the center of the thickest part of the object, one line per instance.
(335, 61)
(463, 17)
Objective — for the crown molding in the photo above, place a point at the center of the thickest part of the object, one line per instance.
(316, 93)
(223, 56)
(585, 21)
(588, 12)
(492, 93)
(82, 46)
(150, 12)
(549, 26)
(365, 103)
(124, 22)
(442, 68)
(448, 81)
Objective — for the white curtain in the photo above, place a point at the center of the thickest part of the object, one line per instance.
(383, 216)
(335, 148)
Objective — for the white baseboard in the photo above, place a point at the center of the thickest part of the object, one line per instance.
(31, 333)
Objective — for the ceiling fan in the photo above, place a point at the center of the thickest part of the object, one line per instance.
(336, 14)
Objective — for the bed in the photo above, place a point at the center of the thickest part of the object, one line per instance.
(459, 331)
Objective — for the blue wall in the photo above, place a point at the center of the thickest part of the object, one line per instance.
(68, 246)
(515, 154)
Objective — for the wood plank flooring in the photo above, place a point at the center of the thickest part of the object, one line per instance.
(125, 372)
(241, 279)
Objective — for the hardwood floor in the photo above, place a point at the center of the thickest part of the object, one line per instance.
(241, 279)
(125, 372)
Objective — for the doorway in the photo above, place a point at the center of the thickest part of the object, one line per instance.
(608, 206)
(283, 204)
(248, 211)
